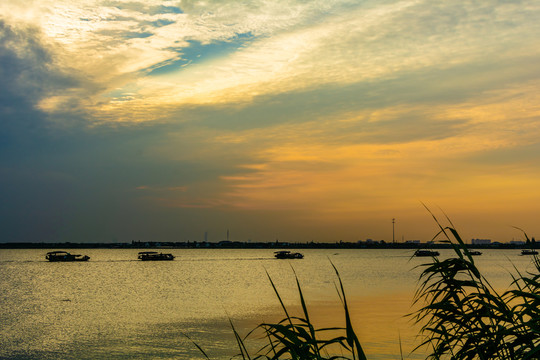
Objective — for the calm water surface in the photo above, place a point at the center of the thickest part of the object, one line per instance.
(115, 307)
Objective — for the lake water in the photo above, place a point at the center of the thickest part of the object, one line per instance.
(115, 307)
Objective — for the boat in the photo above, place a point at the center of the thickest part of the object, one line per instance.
(154, 256)
(475, 252)
(426, 253)
(529, 252)
(285, 254)
(65, 256)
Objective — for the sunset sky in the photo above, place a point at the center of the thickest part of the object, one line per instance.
(292, 120)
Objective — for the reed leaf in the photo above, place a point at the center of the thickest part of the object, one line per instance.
(352, 339)
(306, 314)
(243, 351)
(197, 346)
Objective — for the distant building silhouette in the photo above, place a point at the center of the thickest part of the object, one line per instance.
(480, 241)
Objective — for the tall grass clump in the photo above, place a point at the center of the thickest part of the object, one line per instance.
(464, 317)
(296, 338)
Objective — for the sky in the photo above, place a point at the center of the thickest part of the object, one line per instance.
(296, 121)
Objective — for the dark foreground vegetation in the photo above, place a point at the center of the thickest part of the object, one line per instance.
(464, 317)
(461, 316)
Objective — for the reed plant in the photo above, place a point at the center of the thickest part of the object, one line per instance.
(464, 317)
(296, 338)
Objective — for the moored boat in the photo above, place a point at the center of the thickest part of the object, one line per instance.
(426, 253)
(529, 252)
(285, 254)
(65, 256)
(475, 252)
(154, 256)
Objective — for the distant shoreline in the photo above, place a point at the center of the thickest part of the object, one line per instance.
(254, 245)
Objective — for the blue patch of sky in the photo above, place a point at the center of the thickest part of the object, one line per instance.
(137, 35)
(161, 23)
(155, 10)
(157, 23)
(197, 52)
(126, 34)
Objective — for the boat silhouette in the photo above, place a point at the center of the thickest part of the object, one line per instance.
(65, 256)
(154, 256)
